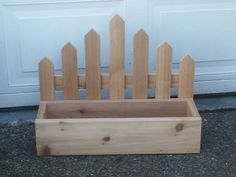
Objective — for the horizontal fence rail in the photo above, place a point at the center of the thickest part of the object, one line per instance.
(116, 80)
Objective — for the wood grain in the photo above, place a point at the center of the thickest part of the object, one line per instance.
(42, 111)
(192, 109)
(140, 61)
(92, 55)
(128, 81)
(46, 80)
(112, 108)
(118, 136)
(164, 64)
(117, 36)
(186, 77)
(69, 68)
(118, 125)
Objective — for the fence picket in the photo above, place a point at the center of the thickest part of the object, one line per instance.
(46, 79)
(117, 82)
(140, 65)
(164, 63)
(92, 55)
(69, 68)
(186, 77)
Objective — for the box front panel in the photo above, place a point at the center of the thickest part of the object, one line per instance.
(118, 136)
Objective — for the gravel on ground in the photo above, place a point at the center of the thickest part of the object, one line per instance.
(217, 158)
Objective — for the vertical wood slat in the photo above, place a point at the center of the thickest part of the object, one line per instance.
(46, 79)
(186, 77)
(140, 81)
(92, 55)
(69, 69)
(117, 82)
(164, 64)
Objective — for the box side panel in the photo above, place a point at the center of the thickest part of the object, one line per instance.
(111, 109)
(192, 110)
(42, 111)
(118, 136)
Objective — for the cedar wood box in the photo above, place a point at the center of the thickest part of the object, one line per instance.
(118, 125)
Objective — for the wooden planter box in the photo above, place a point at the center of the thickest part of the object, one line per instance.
(118, 125)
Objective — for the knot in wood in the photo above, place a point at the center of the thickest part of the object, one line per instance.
(179, 127)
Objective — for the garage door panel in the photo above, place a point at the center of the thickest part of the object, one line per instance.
(32, 29)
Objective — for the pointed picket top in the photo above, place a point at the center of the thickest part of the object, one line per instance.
(164, 66)
(69, 53)
(69, 71)
(46, 79)
(92, 61)
(188, 59)
(45, 61)
(68, 46)
(117, 20)
(117, 50)
(186, 77)
(141, 34)
(165, 46)
(92, 33)
(140, 65)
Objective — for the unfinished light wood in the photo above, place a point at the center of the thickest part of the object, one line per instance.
(186, 77)
(140, 78)
(42, 111)
(92, 55)
(117, 125)
(105, 82)
(115, 109)
(139, 135)
(69, 68)
(46, 79)
(192, 109)
(164, 63)
(117, 82)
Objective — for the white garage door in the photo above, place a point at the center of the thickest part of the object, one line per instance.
(32, 29)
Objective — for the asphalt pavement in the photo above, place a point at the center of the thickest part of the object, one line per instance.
(217, 158)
